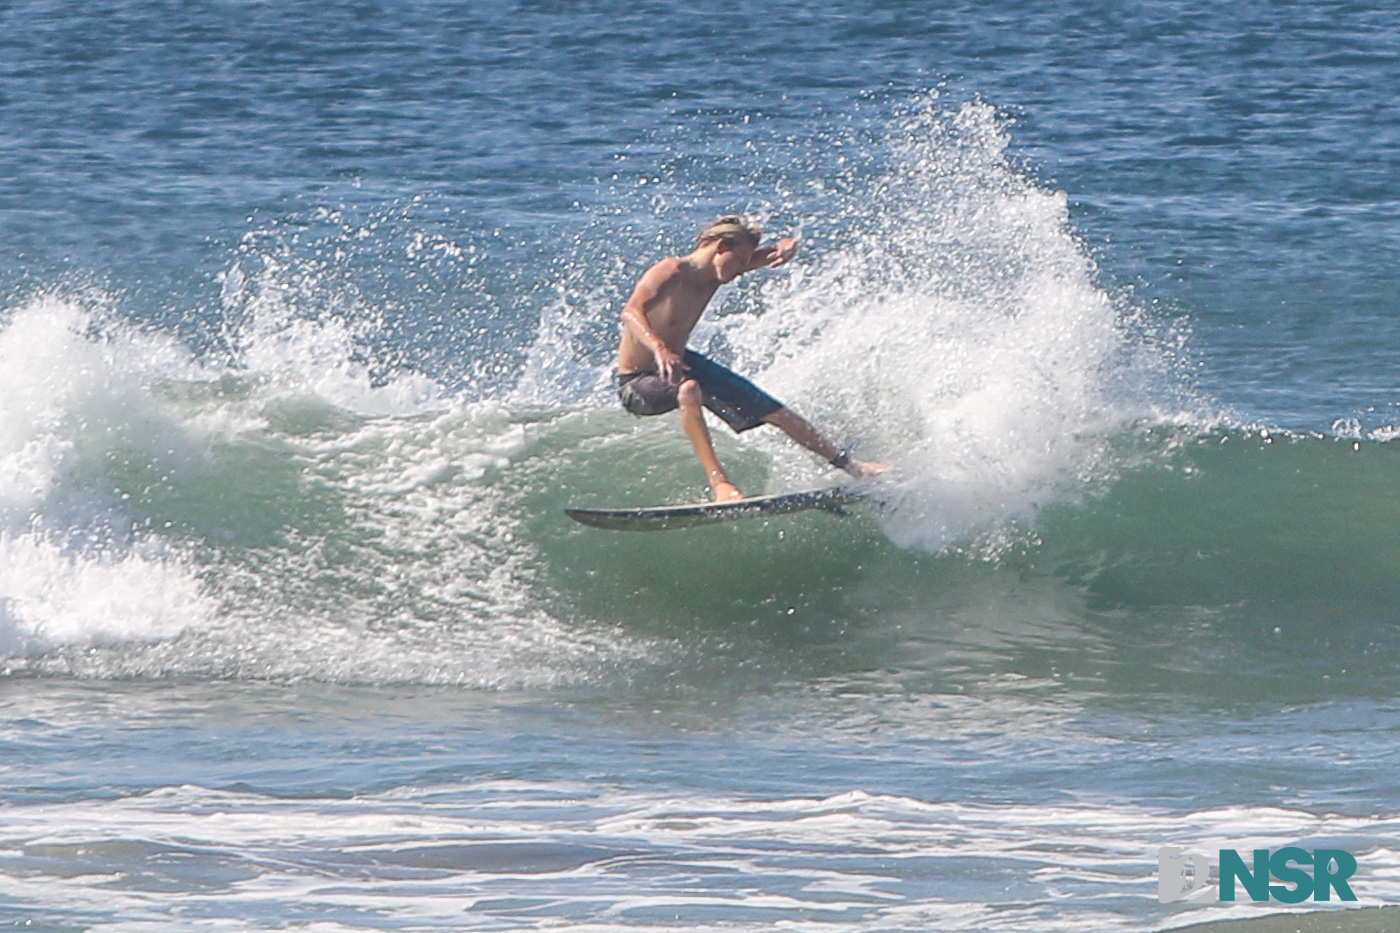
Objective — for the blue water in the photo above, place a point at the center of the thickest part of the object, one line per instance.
(306, 317)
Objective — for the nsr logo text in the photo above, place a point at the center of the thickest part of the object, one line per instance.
(1183, 875)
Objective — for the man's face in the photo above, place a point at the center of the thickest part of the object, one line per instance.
(733, 260)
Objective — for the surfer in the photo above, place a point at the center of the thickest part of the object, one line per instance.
(657, 374)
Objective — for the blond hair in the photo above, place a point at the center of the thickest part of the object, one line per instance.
(731, 230)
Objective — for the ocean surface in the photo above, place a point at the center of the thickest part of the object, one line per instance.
(306, 321)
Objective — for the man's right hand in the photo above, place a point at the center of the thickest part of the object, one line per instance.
(668, 364)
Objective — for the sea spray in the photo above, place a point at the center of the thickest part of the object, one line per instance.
(958, 331)
(294, 313)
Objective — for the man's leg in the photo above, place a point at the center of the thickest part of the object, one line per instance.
(797, 428)
(692, 414)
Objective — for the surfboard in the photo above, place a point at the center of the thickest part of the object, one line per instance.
(668, 517)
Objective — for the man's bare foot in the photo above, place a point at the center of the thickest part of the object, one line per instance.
(862, 469)
(727, 492)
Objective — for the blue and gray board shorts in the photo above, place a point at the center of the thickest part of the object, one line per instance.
(739, 402)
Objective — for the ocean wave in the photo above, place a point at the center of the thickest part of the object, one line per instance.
(299, 502)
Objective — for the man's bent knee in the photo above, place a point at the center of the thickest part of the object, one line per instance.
(688, 393)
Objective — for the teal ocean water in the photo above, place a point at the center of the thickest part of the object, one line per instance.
(306, 320)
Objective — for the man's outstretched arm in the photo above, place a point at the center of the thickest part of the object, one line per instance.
(774, 254)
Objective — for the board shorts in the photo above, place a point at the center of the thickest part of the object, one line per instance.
(739, 402)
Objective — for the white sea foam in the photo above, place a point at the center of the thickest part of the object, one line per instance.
(584, 857)
(53, 596)
(74, 411)
(280, 516)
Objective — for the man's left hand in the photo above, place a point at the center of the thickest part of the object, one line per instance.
(782, 251)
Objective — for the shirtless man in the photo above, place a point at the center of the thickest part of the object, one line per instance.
(657, 374)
